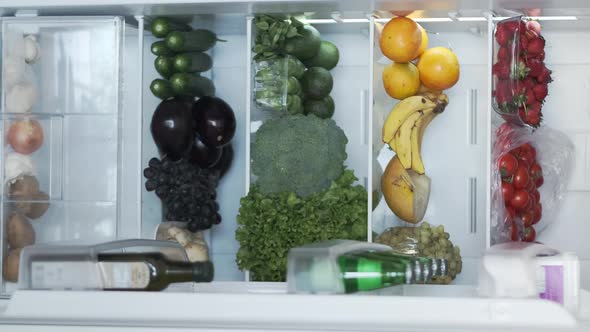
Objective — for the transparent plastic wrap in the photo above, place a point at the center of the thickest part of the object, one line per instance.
(276, 85)
(530, 174)
(520, 75)
(425, 241)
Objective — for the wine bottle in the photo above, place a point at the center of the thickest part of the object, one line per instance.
(115, 271)
(149, 271)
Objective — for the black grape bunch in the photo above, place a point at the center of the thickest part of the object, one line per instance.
(188, 193)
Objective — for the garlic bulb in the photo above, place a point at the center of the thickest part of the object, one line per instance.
(21, 98)
(17, 165)
(14, 69)
(32, 49)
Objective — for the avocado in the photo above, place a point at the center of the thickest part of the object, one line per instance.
(327, 56)
(317, 83)
(304, 46)
(323, 108)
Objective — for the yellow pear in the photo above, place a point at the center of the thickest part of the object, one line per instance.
(405, 191)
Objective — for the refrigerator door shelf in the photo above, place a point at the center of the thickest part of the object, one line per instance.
(240, 305)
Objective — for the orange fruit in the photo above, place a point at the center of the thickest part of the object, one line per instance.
(401, 12)
(423, 44)
(439, 68)
(400, 39)
(401, 80)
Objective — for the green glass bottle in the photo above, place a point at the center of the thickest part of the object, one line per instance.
(369, 270)
(149, 271)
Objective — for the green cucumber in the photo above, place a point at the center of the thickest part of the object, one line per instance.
(192, 62)
(162, 26)
(165, 66)
(198, 40)
(186, 84)
(160, 48)
(161, 88)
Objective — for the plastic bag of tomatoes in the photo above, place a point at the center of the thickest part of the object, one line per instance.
(530, 173)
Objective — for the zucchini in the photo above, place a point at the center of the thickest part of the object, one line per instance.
(185, 84)
(192, 62)
(162, 26)
(198, 40)
(161, 88)
(164, 66)
(160, 48)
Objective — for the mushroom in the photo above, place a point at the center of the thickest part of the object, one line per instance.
(24, 188)
(197, 252)
(37, 209)
(10, 265)
(20, 233)
(194, 244)
(179, 235)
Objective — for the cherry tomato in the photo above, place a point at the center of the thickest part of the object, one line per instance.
(510, 211)
(529, 147)
(520, 199)
(537, 213)
(507, 165)
(528, 206)
(530, 186)
(536, 171)
(536, 196)
(507, 191)
(529, 234)
(527, 218)
(521, 178)
(526, 157)
(515, 152)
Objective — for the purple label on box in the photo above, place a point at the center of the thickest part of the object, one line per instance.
(553, 283)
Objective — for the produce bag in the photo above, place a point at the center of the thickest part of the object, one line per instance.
(520, 75)
(276, 85)
(530, 173)
(426, 241)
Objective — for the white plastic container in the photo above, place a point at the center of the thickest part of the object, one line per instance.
(530, 270)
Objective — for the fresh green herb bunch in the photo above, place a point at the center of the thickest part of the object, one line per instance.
(272, 32)
(270, 225)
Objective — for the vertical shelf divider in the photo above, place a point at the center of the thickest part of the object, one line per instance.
(488, 128)
(369, 130)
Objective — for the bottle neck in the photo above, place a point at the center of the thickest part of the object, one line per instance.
(189, 272)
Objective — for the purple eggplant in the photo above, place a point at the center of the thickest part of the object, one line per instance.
(172, 128)
(215, 122)
(204, 156)
(224, 163)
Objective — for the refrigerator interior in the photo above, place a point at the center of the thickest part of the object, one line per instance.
(106, 149)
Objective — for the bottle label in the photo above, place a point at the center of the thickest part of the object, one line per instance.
(85, 275)
(63, 275)
(134, 275)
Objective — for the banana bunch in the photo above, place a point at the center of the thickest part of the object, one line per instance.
(405, 126)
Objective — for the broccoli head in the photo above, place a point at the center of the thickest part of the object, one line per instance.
(298, 153)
